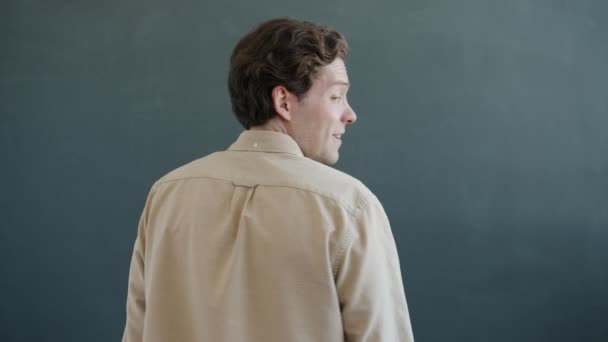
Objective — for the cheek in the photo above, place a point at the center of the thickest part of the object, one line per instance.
(328, 114)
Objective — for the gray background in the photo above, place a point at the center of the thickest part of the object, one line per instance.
(482, 129)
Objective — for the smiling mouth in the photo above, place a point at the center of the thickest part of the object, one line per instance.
(338, 136)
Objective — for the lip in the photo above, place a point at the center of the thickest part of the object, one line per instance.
(338, 136)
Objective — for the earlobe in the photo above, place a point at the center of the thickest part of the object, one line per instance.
(281, 102)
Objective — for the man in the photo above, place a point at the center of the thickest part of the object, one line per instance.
(263, 242)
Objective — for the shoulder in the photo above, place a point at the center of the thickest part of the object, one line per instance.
(276, 170)
(194, 169)
(335, 184)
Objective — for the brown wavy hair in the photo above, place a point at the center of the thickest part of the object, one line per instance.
(285, 52)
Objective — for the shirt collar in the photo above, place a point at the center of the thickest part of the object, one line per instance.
(266, 141)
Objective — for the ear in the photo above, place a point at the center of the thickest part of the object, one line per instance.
(283, 102)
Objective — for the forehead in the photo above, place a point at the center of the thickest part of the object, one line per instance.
(333, 73)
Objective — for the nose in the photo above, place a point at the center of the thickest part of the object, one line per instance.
(350, 116)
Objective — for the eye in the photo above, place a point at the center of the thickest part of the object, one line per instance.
(334, 98)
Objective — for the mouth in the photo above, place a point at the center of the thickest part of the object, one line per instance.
(338, 136)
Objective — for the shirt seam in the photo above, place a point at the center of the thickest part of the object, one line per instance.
(264, 151)
(348, 239)
(350, 210)
(344, 243)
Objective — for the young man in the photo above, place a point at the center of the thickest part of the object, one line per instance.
(264, 242)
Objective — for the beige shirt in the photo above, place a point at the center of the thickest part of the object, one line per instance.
(259, 243)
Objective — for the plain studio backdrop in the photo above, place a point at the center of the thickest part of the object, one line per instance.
(483, 129)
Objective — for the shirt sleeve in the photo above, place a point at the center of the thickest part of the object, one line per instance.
(369, 283)
(136, 300)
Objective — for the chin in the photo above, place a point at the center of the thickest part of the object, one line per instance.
(329, 160)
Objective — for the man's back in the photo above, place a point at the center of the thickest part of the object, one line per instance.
(259, 243)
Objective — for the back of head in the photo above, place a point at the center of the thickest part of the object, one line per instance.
(283, 52)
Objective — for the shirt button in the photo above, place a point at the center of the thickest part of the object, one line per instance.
(255, 144)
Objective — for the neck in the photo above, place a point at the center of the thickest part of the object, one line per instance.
(273, 124)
